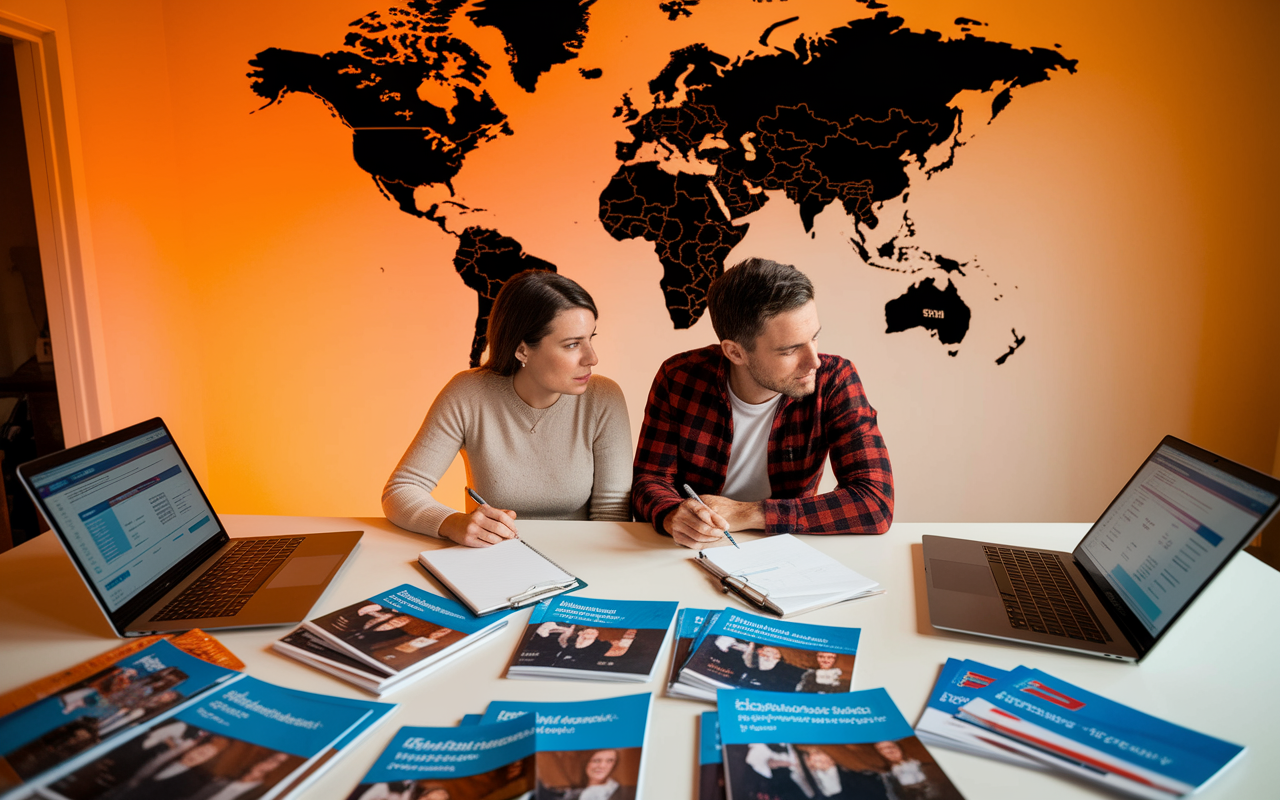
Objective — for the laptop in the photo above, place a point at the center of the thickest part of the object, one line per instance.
(156, 558)
(1161, 540)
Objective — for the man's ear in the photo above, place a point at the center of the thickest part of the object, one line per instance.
(733, 351)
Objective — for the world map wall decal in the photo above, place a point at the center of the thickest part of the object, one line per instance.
(848, 118)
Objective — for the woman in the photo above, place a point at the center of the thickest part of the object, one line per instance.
(539, 433)
(600, 784)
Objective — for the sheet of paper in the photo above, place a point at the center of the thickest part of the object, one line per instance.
(784, 566)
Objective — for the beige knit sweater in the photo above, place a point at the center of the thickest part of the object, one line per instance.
(569, 461)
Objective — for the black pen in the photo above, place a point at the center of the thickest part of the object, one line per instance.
(475, 496)
(694, 496)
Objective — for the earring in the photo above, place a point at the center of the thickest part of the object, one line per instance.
(521, 365)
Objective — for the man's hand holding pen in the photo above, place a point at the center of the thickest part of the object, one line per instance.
(705, 521)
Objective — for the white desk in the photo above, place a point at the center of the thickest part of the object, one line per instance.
(1214, 672)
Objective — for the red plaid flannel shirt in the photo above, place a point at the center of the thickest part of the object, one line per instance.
(688, 428)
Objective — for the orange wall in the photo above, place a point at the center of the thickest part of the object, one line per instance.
(257, 289)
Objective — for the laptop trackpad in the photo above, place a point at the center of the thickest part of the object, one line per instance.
(955, 576)
(304, 571)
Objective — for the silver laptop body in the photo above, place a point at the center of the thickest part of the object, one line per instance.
(141, 532)
(1171, 529)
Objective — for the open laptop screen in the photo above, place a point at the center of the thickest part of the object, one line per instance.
(1169, 531)
(130, 511)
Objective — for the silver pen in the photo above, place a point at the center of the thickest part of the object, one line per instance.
(694, 496)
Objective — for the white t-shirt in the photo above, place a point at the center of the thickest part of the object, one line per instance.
(748, 477)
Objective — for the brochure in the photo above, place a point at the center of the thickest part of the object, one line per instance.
(674, 687)
(587, 744)
(107, 704)
(752, 652)
(380, 642)
(957, 684)
(1098, 739)
(244, 740)
(688, 622)
(584, 638)
(710, 762)
(492, 761)
(378, 714)
(839, 745)
(305, 646)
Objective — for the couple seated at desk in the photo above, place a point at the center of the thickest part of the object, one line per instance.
(747, 423)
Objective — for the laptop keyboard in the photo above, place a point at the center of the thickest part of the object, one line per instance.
(1039, 596)
(226, 586)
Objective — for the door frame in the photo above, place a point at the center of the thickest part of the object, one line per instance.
(51, 129)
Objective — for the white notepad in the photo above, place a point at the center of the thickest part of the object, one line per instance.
(510, 574)
(784, 575)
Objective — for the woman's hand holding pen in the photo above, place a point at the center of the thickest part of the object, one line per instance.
(484, 526)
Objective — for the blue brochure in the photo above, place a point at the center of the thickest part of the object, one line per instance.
(855, 744)
(401, 630)
(140, 687)
(688, 622)
(248, 733)
(1090, 736)
(585, 638)
(586, 743)
(752, 652)
(493, 760)
(710, 762)
(957, 684)
(378, 714)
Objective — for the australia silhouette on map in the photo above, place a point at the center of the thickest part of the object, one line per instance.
(843, 118)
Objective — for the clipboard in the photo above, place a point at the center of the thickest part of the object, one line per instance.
(792, 577)
(506, 576)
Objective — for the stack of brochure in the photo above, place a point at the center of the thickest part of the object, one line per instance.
(382, 643)
(593, 748)
(161, 723)
(582, 638)
(1029, 717)
(847, 745)
(734, 650)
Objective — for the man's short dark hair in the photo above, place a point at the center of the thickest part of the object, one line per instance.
(749, 294)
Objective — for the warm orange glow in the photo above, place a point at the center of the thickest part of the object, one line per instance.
(259, 292)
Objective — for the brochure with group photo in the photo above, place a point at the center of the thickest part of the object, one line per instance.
(242, 740)
(584, 638)
(141, 687)
(855, 745)
(490, 761)
(590, 748)
(748, 651)
(380, 643)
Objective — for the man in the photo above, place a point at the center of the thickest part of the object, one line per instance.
(749, 423)
(771, 672)
(825, 679)
(830, 780)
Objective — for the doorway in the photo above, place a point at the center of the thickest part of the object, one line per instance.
(30, 416)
